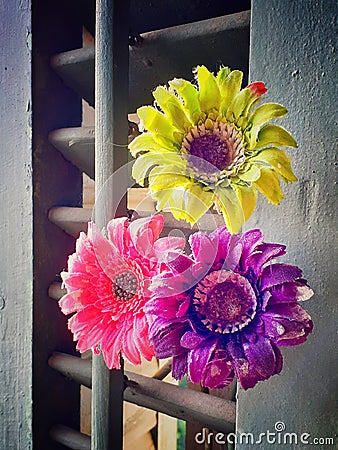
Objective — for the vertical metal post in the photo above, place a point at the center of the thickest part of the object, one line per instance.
(111, 127)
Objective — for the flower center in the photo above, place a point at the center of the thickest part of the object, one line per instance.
(210, 150)
(124, 286)
(225, 301)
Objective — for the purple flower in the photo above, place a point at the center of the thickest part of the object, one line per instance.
(225, 310)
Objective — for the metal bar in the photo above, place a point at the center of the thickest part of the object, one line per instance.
(215, 413)
(74, 220)
(111, 125)
(164, 54)
(70, 438)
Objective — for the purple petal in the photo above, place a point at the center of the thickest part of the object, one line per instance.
(278, 274)
(162, 307)
(203, 249)
(198, 359)
(179, 263)
(190, 339)
(234, 253)
(250, 240)
(218, 373)
(221, 239)
(165, 335)
(261, 356)
(246, 374)
(179, 366)
(287, 324)
(294, 291)
(264, 253)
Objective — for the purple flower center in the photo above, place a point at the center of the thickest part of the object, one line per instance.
(124, 286)
(225, 301)
(212, 151)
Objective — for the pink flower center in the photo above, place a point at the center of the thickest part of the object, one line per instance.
(124, 286)
(225, 301)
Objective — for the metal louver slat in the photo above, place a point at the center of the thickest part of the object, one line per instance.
(165, 54)
(215, 413)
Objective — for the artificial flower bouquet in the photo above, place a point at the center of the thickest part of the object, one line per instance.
(224, 308)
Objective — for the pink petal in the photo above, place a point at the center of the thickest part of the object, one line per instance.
(117, 232)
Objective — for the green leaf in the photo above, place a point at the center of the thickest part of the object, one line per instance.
(173, 108)
(229, 85)
(278, 160)
(189, 94)
(228, 203)
(209, 95)
(272, 134)
(266, 112)
(248, 198)
(268, 184)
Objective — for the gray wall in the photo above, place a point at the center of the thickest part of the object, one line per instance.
(293, 51)
(16, 226)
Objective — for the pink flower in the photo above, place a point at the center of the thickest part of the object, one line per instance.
(107, 287)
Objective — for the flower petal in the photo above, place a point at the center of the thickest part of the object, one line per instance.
(272, 134)
(209, 95)
(191, 339)
(266, 112)
(268, 184)
(146, 143)
(198, 359)
(218, 373)
(179, 366)
(189, 94)
(278, 160)
(229, 83)
(156, 122)
(278, 274)
(248, 198)
(173, 108)
(261, 356)
(228, 203)
(264, 253)
(290, 292)
(246, 374)
(140, 336)
(166, 335)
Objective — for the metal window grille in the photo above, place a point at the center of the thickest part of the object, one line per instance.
(106, 75)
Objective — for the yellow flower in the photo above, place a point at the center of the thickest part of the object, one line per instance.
(209, 146)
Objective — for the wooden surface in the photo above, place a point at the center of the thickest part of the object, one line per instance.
(16, 227)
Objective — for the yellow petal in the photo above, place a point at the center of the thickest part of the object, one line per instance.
(278, 160)
(189, 94)
(173, 108)
(229, 205)
(268, 184)
(209, 95)
(145, 162)
(145, 143)
(248, 198)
